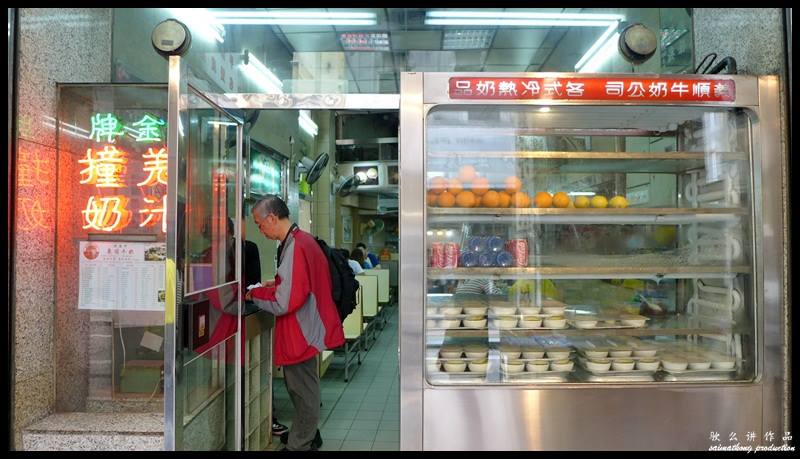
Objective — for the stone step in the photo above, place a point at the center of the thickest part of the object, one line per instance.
(96, 432)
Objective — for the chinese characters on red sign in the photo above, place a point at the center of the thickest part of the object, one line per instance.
(610, 89)
(106, 168)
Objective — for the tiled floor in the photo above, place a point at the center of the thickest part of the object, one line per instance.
(364, 413)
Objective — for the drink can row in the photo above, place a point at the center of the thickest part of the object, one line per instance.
(444, 255)
(519, 250)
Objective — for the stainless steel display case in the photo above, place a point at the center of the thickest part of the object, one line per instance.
(660, 409)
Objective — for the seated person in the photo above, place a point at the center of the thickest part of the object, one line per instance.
(356, 261)
(373, 259)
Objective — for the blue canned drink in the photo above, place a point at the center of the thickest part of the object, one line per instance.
(495, 244)
(505, 259)
(476, 243)
(468, 260)
(487, 259)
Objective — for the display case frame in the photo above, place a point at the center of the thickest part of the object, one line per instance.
(714, 406)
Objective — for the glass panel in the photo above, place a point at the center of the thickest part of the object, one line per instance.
(364, 50)
(210, 196)
(589, 245)
(111, 244)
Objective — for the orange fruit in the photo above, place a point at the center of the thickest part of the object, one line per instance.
(467, 173)
(561, 199)
(599, 202)
(465, 199)
(581, 202)
(513, 184)
(490, 199)
(505, 199)
(454, 186)
(480, 185)
(520, 199)
(543, 199)
(446, 199)
(432, 197)
(438, 184)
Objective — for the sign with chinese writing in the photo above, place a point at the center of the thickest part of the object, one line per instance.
(606, 89)
(106, 168)
(122, 275)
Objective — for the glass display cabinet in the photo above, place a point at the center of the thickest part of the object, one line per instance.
(578, 242)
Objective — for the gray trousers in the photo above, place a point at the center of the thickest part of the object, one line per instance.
(302, 382)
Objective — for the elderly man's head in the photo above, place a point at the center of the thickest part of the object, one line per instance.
(272, 217)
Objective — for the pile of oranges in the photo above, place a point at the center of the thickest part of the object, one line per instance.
(469, 189)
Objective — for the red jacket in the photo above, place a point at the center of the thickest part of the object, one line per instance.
(306, 319)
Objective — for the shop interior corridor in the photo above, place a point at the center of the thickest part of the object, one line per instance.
(362, 414)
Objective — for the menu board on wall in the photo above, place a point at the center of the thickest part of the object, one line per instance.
(122, 276)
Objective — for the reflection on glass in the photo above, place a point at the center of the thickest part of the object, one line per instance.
(588, 245)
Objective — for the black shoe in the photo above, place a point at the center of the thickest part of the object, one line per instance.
(278, 428)
(316, 443)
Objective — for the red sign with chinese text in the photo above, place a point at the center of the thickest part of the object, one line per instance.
(611, 89)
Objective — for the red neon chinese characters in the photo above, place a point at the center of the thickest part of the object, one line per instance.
(106, 213)
(32, 215)
(156, 166)
(154, 214)
(106, 169)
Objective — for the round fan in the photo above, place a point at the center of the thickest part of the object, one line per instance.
(312, 169)
(348, 185)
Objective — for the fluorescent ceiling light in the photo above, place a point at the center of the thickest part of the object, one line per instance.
(582, 193)
(261, 75)
(306, 123)
(517, 22)
(221, 123)
(544, 109)
(295, 18)
(596, 46)
(467, 39)
(600, 56)
(523, 15)
(201, 21)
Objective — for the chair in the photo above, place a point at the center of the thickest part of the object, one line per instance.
(369, 304)
(353, 334)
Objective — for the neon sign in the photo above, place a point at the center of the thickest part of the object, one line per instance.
(105, 167)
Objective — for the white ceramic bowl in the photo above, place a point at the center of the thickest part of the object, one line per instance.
(475, 310)
(723, 364)
(509, 352)
(528, 310)
(558, 353)
(596, 353)
(476, 351)
(633, 321)
(475, 322)
(620, 352)
(561, 365)
(478, 366)
(553, 310)
(598, 365)
(645, 352)
(530, 322)
(674, 364)
(455, 366)
(585, 323)
(647, 364)
(532, 353)
(537, 366)
(622, 365)
(505, 322)
(449, 323)
(450, 353)
(512, 366)
(555, 322)
(503, 310)
(450, 310)
(699, 364)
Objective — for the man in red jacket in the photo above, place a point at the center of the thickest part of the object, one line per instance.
(306, 319)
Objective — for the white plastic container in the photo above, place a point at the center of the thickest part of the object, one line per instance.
(622, 365)
(512, 366)
(598, 365)
(474, 322)
(561, 365)
(455, 366)
(530, 322)
(647, 364)
(555, 322)
(537, 366)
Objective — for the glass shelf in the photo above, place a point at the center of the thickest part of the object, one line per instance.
(627, 216)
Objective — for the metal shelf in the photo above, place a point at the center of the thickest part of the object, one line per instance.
(378, 140)
(590, 272)
(657, 327)
(550, 162)
(630, 215)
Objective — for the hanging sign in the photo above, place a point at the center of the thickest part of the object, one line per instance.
(606, 89)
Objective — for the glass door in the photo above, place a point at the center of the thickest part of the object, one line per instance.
(203, 308)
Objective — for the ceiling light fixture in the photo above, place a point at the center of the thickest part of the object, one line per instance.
(294, 18)
(306, 123)
(484, 18)
(467, 39)
(544, 109)
(598, 55)
(602, 42)
(261, 75)
(523, 15)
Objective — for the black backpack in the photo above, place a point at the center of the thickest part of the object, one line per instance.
(343, 282)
